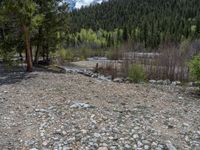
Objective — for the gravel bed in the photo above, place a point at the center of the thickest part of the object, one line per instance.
(52, 111)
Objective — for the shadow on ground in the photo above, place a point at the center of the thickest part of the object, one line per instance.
(18, 74)
(14, 77)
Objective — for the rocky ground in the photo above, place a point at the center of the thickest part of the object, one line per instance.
(51, 111)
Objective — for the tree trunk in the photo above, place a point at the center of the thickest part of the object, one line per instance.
(28, 48)
(47, 53)
(37, 54)
(43, 52)
(39, 41)
(31, 52)
(2, 33)
(20, 55)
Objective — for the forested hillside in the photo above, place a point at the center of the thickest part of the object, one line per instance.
(151, 22)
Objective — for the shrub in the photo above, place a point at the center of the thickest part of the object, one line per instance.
(8, 59)
(114, 54)
(136, 73)
(85, 53)
(66, 54)
(195, 68)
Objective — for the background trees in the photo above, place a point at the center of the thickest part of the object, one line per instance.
(40, 27)
(150, 22)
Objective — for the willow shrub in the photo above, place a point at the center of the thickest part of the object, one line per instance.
(136, 73)
(195, 69)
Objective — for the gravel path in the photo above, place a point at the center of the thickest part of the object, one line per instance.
(50, 111)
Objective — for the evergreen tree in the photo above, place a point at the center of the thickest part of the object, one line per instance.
(125, 34)
(43, 24)
(22, 14)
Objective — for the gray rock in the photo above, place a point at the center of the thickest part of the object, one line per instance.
(171, 123)
(66, 148)
(97, 135)
(187, 139)
(145, 142)
(135, 136)
(167, 82)
(94, 75)
(127, 146)
(195, 84)
(29, 142)
(45, 143)
(139, 144)
(103, 78)
(41, 110)
(170, 146)
(154, 144)
(158, 148)
(159, 82)
(146, 147)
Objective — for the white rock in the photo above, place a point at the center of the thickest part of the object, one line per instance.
(181, 98)
(81, 106)
(33, 149)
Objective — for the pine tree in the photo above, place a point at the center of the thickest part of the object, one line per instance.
(125, 34)
(23, 12)
(43, 24)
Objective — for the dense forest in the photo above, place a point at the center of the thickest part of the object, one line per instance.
(151, 22)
